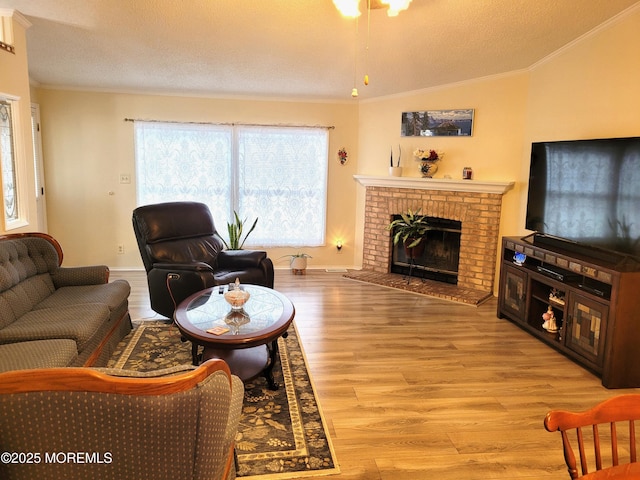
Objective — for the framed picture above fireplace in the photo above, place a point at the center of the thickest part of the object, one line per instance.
(437, 123)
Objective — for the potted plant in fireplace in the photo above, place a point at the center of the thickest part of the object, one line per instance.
(410, 229)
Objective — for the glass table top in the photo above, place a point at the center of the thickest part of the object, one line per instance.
(210, 312)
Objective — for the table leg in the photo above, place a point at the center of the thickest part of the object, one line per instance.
(268, 372)
(273, 357)
(194, 353)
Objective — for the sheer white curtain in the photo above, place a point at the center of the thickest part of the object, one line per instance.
(282, 179)
(180, 162)
(275, 174)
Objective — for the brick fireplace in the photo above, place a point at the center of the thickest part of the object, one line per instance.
(477, 205)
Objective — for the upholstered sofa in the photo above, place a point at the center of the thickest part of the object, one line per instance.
(86, 423)
(54, 316)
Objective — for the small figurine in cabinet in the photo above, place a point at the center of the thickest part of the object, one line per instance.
(556, 296)
(549, 318)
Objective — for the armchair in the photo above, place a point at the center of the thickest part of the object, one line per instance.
(84, 423)
(183, 254)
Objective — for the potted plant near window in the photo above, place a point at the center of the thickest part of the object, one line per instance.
(235, 229)
(410, 229)
(298, 262)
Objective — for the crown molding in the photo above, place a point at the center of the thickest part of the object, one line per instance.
(16, 15)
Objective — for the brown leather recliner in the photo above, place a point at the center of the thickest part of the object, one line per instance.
(183, 254)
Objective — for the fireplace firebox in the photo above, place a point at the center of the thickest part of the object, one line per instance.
(441, 255)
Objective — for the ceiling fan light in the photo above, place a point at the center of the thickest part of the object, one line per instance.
(348, 8)
(395, 6)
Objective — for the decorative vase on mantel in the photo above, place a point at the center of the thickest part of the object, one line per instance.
(395, 171)
(428, 168)
(428, 161)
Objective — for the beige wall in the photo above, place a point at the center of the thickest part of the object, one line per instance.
(88, 144)
(14, 81)
(494, 151)
(588, 89)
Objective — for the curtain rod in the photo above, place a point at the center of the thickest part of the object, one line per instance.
(328, 127)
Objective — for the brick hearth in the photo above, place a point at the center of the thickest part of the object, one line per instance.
(476, 205)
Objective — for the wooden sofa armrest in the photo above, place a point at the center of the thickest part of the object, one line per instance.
(163, 372)
(91, 380)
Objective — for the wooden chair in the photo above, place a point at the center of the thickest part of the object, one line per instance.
(605, 438)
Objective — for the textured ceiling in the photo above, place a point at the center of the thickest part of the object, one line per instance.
(293, 48)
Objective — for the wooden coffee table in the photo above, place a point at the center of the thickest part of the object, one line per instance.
(250, 347)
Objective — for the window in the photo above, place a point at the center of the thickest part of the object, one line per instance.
(8, 162)
(277, 174)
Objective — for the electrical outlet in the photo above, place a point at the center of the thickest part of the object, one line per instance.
(120, 248)
(125, 178)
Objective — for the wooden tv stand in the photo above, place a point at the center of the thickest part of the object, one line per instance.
(596, 305)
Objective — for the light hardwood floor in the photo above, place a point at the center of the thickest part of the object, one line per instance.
(416, 388)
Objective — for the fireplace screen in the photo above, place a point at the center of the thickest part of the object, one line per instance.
(441, 254)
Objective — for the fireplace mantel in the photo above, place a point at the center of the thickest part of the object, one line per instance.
(476, 186)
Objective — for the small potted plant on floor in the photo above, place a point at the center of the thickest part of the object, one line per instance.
(410, 229)
(298, 262)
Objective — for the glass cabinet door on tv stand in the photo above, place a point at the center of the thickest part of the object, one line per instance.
(586, 327)
(513, 296)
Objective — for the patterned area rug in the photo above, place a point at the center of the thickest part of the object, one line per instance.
(282, 433)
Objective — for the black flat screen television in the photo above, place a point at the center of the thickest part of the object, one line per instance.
(587, 193)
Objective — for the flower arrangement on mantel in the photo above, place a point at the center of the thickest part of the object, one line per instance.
(427, 155)
(428, 159)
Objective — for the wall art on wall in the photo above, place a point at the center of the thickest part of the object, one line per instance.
(342, 156)
(437, 123)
